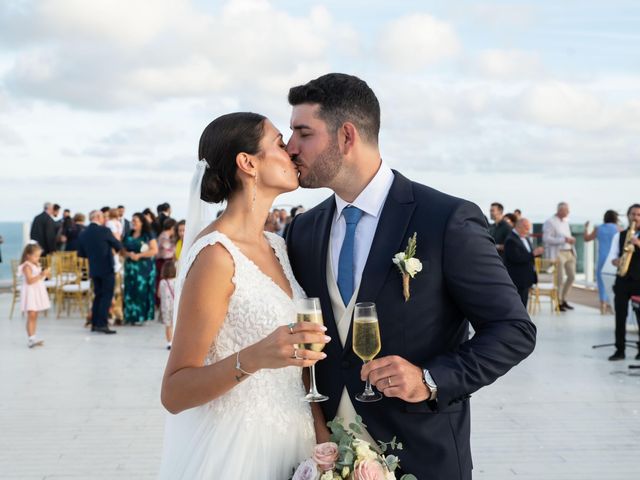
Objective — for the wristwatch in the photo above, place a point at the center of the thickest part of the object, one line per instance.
(427, 379)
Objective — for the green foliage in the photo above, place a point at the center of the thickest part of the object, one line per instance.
(411, 246)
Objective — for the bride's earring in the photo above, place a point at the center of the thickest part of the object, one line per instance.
(255, 192)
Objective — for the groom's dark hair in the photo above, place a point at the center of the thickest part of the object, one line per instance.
(342, 98)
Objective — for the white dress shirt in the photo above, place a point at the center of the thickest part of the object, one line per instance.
(370, 201)
(554, 236)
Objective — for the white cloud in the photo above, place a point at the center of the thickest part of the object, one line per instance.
(573, 107)
(501, 15)
(509, 64)
(106, 54)
(414, 42)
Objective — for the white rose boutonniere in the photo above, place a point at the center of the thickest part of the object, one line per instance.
(408, 265)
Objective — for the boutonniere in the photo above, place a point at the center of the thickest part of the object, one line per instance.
(408, 265)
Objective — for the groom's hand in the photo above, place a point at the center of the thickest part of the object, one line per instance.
(394, 376)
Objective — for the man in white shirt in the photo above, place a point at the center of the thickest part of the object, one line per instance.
(560, 245)
(342, 252)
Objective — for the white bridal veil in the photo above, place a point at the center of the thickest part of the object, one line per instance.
(199, 215)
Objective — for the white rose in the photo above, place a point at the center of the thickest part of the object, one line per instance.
(398, 258)
(364, 450)
(307, 470)
(413, 266)
(328, 475)
(390, 476)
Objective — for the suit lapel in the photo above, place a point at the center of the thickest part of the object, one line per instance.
(388, 240)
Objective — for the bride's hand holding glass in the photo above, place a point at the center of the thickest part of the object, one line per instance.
(282, 348)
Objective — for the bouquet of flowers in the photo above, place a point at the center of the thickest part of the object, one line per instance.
(346, 457)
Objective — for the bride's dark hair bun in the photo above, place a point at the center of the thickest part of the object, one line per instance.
(220, 144)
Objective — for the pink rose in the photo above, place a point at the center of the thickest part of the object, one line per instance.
(368, 470)
(325, 455)
(307, 470)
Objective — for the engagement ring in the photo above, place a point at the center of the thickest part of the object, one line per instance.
(291, 325)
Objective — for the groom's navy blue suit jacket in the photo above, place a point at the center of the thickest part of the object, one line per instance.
(463, 282)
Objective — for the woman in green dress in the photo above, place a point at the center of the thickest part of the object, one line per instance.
(139, 272)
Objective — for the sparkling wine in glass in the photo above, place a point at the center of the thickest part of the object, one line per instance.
(366, 342)
(309, 311)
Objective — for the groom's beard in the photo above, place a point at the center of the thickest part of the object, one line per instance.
(325, 168)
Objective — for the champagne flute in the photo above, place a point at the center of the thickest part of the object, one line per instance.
(309, 310)
(366, 342)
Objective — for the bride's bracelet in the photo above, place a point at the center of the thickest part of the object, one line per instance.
(238, 366)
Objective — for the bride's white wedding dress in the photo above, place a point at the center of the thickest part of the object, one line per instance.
(260, 429)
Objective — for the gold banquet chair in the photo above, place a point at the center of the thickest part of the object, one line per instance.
(16, 286)
(51, 284)
(547, 286)
(75, 290)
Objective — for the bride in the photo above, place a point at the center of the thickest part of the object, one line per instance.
(233, 380)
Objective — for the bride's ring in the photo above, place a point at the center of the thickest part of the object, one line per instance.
(291, 325)
(389, 380)
(295, 354)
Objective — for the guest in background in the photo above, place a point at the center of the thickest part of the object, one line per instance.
(164, 212)
(560, 245)
(292, 213)
(97, 243)
(113, 223)
(64, 224)
(166, 292)
(500, 228)
(166, 250)
(44, 230)
(126, 225)
(73, 232)
(149, 216)
(271, 224)
(1, 242)
(283, 220)
(519, 258)
(179, 235)
(511, 219)
(139, 272)
(33, 294)
(628, 285)
(518, 213)
(105, 213)
(604, 234)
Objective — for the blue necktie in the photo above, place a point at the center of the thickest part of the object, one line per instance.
(345, 264)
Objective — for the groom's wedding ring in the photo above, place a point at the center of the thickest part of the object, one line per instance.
(291, 325)
(389, 380)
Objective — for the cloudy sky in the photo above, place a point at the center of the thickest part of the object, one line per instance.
(525, 102)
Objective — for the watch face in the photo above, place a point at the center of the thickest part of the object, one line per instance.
(428, 380)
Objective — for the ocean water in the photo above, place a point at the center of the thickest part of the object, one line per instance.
(11, 249)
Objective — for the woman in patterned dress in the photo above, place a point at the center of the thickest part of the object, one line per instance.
(139, 272)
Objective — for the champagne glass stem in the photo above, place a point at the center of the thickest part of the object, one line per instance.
(367, 388)
(312, 387)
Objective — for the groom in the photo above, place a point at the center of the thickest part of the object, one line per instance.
(341, 251)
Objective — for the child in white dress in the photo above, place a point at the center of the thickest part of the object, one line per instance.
(166, 289)
(34, 297)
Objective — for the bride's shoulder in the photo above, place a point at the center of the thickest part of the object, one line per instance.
(211, 251)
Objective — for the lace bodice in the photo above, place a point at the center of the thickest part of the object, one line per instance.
(256, 308)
